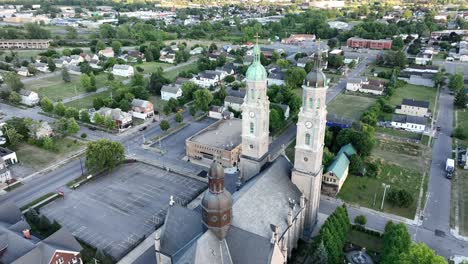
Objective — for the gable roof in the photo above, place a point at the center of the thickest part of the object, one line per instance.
(417, 103)
(171, 88)
(347, 149)
(339, 165)
(234, 99)
(409, 119)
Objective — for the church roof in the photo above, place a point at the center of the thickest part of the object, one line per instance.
(256, 71)
(266, 199)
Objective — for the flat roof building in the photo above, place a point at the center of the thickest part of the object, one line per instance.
(369, 43)
(220, 141)
(24, 43)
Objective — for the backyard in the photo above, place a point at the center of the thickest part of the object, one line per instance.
(150, 67)
(172, 74)
(350, 106)
(460, 182)
(416, 92)
(87, 102)
(462, 121)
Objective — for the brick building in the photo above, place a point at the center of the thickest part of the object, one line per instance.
(369, 43)
(24, 43)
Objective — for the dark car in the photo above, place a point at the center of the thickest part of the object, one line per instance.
(143, 128)
(438, 128)
(449, 175)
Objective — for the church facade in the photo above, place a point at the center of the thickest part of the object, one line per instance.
(275, 203)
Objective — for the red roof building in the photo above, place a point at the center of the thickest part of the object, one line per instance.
(378, 44)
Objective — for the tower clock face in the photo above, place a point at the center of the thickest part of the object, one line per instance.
(252, 114)
(308, 124)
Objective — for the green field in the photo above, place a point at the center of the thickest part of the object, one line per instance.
(157, 103)
(39, 158)
(462, 121)
(398, 133)
(350, 106)
(408, 155)
(172, 74)
(150, 67)
(461, 183)
(87, 102)
(56, 89)
(415, 92)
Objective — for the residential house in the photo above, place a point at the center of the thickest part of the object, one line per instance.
(335, 174)
(234, 102)
(142, 108)
(85, 56)
(23, 71)
(168, 58)
(363, 85)
(75, 59)
(94, 64)
(169, 91)
(207, 79)
(423, 58)
(19, 246)
(107, 52)
(8, 156)
(302, 62)
(74, 69)
(42, 67)
(134, 55)
(227, 69)
(413, 108)
(298, 38)
(220, 112)
(276, 78)
(409, 123)
(5, 174)
(195, 51)
(348, 58)
(123, 70)
(29, 98)
(122, 119)
(58, 63)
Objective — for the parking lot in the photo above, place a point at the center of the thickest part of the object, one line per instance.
(115, 211)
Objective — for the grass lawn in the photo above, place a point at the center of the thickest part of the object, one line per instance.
(398, 133)
(150, 67)
(39, 158)
(462, 121)
(87, 102)
(350, 106)
(368, 191)
(172, 74)
(158, 103)
(407, 155)
(56, 89)
(461, 183)
(372, 243)
(416, 92)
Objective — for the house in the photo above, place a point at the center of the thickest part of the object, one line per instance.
(169, 58)
(350, 58)
(413, 108)
(195, 51)
(40, 129)
(135, 55)
(220, 112)
(409, 123)
(142, 108)
(234, 102)
(363, 85)
(227, 69)
(122, 119)
(95, 64)
(123, 70)
(74, 69)
(276, 78)
(29, 98)
(302, 62)
(8, 156)
(207, 79)
(336, 174)
(5, 174)
(171, 91)
(42, 67)
(58, 63)
(75, 59)
(19, 246)
(23, 71)
(423, 58)
(107, 52)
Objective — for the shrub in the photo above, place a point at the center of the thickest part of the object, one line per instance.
(400, 197)
(460, 133)
(360, 220)
(84, 135)
(164, 125)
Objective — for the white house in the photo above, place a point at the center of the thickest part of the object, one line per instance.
(107, 52)
(8, 156)
(169, 58)
(363, 85)
(206, 79)
(123, 70)
(29, 98)
(424, 58)
(409, 123)
(234, 102)
(42, 67)
(276, 78)
(23, 71)
(220, 112)
(5, 174)
(197, 50)
(171, 91)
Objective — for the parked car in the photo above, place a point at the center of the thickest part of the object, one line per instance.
(143, 128)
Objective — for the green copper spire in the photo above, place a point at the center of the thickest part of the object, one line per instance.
(256, 71)
(316, 78)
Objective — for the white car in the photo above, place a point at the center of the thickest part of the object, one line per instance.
(2, 141)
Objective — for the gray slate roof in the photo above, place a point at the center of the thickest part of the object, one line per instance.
(170, 88)
(409, 119)
(412, 102)
(234, 99)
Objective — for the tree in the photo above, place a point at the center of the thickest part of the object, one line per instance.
(192, 110)
(229, 79)
(65, 75)
(400, 197)
(396, 241)
(71, 32)
(13, 81)
(100, 46)
(14, 97)
(66, 126)
(47, 105)
(212, 48)
(332, 43)
(295, 77)
(276, 119)
(72, 112)
(179, 118)
(439, 79)
(14, 138)
(360, 220)
(72, 126)
(282, 63)
(164, 125)
(461, 99)
(60, 109)
(32, 69)
(104, 154)
(84, 116)
(355, 164)
(203, 99)
(116, 46)
(335, 61)
(320, 255)
(85, 82)
(51, 65)
(456, 82)
(157, 80)
(66, 52)
(460, 133)
(397, 43)
(109, 123)
(92, 82)
(420, 253)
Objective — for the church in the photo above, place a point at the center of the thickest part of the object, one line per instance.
(276, 202)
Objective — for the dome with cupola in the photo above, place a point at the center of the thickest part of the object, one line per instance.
(256, 71)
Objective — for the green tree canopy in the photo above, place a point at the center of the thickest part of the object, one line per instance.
(203, 99)
(104, 154)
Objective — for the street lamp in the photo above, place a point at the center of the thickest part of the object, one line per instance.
(385, 186)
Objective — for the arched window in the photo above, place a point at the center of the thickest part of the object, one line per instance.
(252, 94)
(307, 139)
(251, 127)
(311, 103)
(318, 103)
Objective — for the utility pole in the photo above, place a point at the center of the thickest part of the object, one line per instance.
(385, 191)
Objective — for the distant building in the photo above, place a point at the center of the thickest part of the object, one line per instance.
(276, 78)
(19, 246)
(169, 91)
(5, 174)
(42, 67)
(8, 156)
(379, 44)
(336, 174)
(24, 43)
(298, 38)
(409, 123)
(363, 85)
(107, 52)
(40, 129)
(142, 108)
(29, 98)
(220, 112)
(123, 70)
(122, 119)
(23, 71)
(207, 79)
(197, 50)
(169, 58)
(413, 108)
(220, 141)
(423, 58)
(234, 102)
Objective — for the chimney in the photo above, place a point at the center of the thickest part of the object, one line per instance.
(27, 234)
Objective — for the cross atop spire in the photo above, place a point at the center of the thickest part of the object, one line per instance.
(256, 37)
(319, 56)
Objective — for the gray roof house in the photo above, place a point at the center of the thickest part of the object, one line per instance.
(18, 246)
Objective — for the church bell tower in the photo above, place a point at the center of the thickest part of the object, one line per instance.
(307, 172)
(255, 120)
